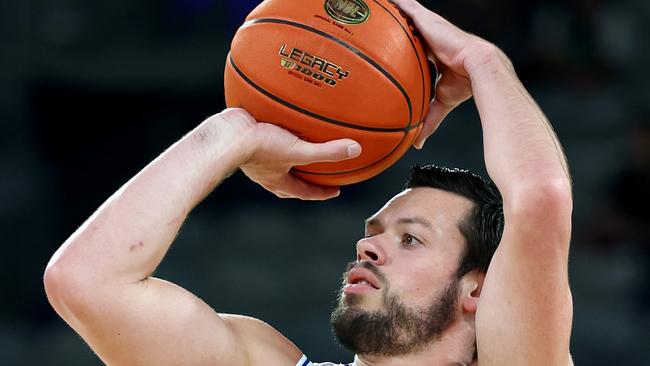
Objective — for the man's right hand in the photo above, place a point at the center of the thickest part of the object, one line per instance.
(275, 151)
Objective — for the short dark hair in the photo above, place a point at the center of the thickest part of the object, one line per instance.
(483, 225)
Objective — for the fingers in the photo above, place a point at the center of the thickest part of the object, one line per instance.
(409, 7)
(304, 152)
(437, 112)
(292, 187)
(451, 90)
(420, 14)
(445, 39)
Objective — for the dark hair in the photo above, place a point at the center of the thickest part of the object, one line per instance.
(483, 225)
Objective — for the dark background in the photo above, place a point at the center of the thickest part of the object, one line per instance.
(92, 91)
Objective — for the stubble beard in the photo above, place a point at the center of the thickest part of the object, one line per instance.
(395, 329)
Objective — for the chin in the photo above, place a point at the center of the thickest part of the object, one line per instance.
(361, 302)
(352, 299)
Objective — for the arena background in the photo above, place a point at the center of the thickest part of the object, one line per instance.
(91, 91)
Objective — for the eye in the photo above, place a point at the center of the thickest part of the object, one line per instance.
(410, 240)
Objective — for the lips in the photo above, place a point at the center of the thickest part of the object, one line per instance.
(362, 275)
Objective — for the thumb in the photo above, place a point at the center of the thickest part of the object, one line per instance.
(304, 152)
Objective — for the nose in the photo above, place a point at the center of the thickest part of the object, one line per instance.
(370, 250)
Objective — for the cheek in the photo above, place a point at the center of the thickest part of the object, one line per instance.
(417, 283)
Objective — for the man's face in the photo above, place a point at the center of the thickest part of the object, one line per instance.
(402, 292)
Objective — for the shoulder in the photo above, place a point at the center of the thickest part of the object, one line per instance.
(263, 343)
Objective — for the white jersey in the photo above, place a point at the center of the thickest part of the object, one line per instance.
(304, 361)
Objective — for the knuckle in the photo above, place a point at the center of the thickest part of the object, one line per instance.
(338, 153)
(294, 144)
(298, 151)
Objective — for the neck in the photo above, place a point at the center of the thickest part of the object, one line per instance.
(455, 348)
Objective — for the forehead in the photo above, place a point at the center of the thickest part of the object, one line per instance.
(443, 209)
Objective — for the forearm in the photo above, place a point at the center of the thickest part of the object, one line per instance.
(127, 237)
(522, 152)
(527, 280)
(99, 280)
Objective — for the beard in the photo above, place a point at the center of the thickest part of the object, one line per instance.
(395, 329)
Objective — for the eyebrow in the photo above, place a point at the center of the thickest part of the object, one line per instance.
(374, 221)
(415, 220)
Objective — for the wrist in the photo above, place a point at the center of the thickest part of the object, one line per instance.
(228, 137)
(484, 59)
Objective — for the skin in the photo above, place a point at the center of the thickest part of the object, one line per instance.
(519, 313)
(416, 243)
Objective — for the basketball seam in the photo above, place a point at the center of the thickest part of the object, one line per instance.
(281, 101)
(417, 56)
(310, 113)
(349, 47)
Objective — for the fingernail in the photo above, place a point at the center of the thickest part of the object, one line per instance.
(354, 150)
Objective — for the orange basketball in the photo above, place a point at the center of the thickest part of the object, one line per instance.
(330, 69)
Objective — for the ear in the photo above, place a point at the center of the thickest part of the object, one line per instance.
(471, 285)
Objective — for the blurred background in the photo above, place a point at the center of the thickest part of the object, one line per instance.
(91, 91)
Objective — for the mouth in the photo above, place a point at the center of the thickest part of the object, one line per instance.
(360, 276)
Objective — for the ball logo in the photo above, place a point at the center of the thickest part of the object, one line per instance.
(316, 69)
(287, 64)
(347, 11)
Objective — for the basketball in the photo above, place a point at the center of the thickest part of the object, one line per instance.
(331, 69)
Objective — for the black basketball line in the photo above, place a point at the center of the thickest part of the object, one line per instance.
(346, 45)
(310, 113)
(417, 56)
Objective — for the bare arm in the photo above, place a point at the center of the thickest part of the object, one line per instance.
(520, 144)
(100, 280)
(525, 310)
(527, 282)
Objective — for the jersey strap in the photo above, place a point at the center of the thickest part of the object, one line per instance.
(304, 361)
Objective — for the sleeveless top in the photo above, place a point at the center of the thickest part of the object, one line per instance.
(304, 361)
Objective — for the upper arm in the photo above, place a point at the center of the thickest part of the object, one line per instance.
(525, 308)
(155, 322)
